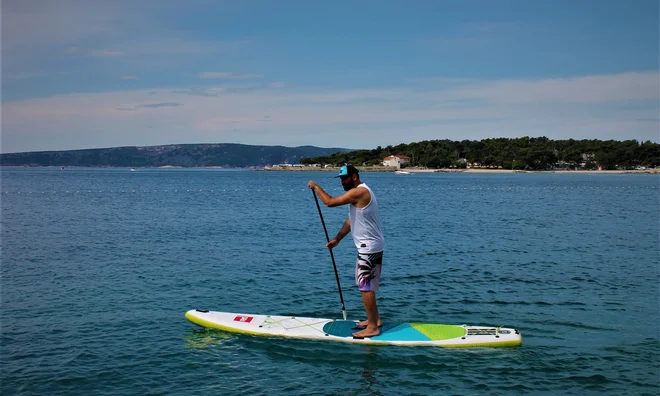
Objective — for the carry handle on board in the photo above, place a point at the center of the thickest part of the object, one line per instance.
(327, 238)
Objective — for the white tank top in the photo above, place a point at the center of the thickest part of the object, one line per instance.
(365, 225)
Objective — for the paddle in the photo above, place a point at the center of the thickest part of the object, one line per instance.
(327, 238)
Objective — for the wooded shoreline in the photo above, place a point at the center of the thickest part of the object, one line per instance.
(451, 170)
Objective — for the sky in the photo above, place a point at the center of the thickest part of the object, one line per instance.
(355, 74)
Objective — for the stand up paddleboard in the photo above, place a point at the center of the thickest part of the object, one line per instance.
(404, 334)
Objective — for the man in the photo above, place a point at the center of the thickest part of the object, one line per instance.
(364, 223)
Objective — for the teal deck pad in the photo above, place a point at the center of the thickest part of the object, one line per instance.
(401, 332)
(389, 331)
(340, 328)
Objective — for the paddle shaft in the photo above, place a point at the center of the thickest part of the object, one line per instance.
(332, 256)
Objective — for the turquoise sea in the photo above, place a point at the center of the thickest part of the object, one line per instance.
(100, 265)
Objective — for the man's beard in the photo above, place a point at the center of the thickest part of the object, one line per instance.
(348, 186)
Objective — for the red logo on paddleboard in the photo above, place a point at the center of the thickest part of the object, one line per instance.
(245, 319)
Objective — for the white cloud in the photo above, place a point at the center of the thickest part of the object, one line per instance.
(158, 105)
(37, 31)
(72, 50)
(277, 84)
(128, 78)
(30, 25)
(106, 52)
(23, 75)
(618, 106)
(229, 75)
(587, 89)
(171, 45)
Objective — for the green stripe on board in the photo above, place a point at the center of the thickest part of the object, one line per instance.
(439, 331)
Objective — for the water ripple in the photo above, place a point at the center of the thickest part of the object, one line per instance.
(99, 266)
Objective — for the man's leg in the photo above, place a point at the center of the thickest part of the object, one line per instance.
(370, 306)
(367, 276)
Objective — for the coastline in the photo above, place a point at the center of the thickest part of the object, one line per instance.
(563, 171)
(448, 170)
(365, 169)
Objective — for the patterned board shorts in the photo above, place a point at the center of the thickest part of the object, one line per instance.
(367, 270)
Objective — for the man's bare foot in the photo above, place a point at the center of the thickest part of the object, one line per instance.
(363, 323)
(366, 333)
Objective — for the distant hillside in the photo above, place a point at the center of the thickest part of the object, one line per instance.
(184, 155)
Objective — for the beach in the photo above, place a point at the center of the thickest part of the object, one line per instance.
(294, 168)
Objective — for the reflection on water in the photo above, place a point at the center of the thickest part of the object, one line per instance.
(204, 338)
(105, 263)
(369, 382)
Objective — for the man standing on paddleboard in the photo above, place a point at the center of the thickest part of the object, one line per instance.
(364, 223)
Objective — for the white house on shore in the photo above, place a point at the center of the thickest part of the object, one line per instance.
(396, 160)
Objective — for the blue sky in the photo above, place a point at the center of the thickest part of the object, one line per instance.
(356, 74)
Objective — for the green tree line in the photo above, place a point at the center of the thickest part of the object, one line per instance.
(520, 153)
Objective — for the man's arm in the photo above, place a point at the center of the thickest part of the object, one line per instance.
(345, 229)
(351, 196)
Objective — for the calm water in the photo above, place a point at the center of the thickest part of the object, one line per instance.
(100, 265)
